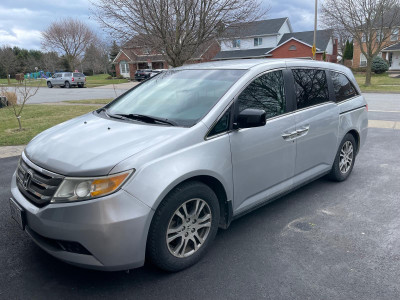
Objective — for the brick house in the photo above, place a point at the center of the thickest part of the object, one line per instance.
(134, 55)
(274, 38)
(390, 52)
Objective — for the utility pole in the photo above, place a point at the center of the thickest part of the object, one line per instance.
(314, 48)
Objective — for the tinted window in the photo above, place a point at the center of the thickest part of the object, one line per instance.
(78, 75)
(342, 86)
(222, 125)
(266, 92)
(311, 87)
(182, 96)
(67, 74)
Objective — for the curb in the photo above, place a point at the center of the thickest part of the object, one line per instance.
(10, 151)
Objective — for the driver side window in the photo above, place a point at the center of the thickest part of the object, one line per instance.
(266, 92)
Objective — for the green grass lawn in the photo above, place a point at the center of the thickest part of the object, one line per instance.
(36, 118)
(91, 101)
(101, 79)
(32, 82)
(91, 81)
(379, 83)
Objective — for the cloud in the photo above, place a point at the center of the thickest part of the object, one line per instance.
(23, 20)
(29, 39)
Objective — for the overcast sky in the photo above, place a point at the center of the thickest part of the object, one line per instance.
(22, 20)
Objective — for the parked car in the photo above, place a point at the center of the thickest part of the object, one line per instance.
(143, 74)
(157, 171)
(67, 80)
(154, 72)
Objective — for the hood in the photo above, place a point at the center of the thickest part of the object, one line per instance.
(91, 145)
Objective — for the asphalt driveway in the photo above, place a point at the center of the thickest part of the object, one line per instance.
(325, 241)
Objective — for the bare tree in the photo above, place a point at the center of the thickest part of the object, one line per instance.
(176, 27)
(69, 37)
(8, 61)
(96, 58)
(50, 61)
(18, 96)
(369, 22)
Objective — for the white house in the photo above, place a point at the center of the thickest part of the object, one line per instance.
(253, 39)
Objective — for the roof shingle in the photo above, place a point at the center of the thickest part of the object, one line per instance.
(323, 38)
(256, 28)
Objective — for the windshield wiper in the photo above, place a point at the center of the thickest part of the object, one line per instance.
(108, 114)
(147, 119)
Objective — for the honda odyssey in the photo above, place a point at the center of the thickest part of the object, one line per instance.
(154, 174)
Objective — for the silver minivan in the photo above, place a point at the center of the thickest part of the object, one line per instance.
(156, 172)
(67, 80)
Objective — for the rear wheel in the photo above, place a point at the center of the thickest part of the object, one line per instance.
(183, 227)
(49, 85)
(345, 158)
(67, 85)
(80, 85)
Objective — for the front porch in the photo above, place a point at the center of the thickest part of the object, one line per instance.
(392, 55)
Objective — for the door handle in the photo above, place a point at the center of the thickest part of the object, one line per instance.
(289, 135)
(303, 130)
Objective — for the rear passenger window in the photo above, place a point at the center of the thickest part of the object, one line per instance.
(266, 92)
(311, 87)
(342, 86)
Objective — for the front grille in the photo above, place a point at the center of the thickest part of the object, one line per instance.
(37, 186)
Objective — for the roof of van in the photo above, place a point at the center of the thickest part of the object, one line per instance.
(245, 64)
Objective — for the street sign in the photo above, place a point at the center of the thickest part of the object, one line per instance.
(314, 50)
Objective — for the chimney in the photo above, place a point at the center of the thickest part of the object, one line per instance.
(335, 51)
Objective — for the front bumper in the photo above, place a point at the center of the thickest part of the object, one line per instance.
(113, 229)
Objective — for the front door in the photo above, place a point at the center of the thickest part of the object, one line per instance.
(395, 65)
(263, 158)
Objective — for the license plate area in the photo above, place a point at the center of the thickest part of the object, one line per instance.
(17, 213)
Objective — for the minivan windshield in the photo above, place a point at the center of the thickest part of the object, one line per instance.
(182, 97)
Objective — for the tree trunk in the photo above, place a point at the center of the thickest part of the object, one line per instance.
(8, 77)
(368, 73)
(19, 122)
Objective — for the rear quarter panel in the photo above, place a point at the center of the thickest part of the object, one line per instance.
(353, 115)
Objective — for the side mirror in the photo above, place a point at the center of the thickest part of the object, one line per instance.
(249, 118)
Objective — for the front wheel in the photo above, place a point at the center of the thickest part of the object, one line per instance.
(183, 227)
(345, 158)
(49, 85)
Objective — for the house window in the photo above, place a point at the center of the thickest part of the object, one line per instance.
(123, 67)
(236, 43)
(292, 48)
(146, 51)
(257, 42)
(395, 34)
(364, 38)
(363, 60)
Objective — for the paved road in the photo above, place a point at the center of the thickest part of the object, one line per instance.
(325, 241)
(56, 94)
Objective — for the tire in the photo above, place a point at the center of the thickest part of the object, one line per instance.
(67, 85)
(180, 252)
(49, 85)
(344, 160)
(80, 85)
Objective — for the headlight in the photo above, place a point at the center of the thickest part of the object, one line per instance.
(78, 189)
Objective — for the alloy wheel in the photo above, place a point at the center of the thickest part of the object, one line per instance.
(346, 157)
(188, 228)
